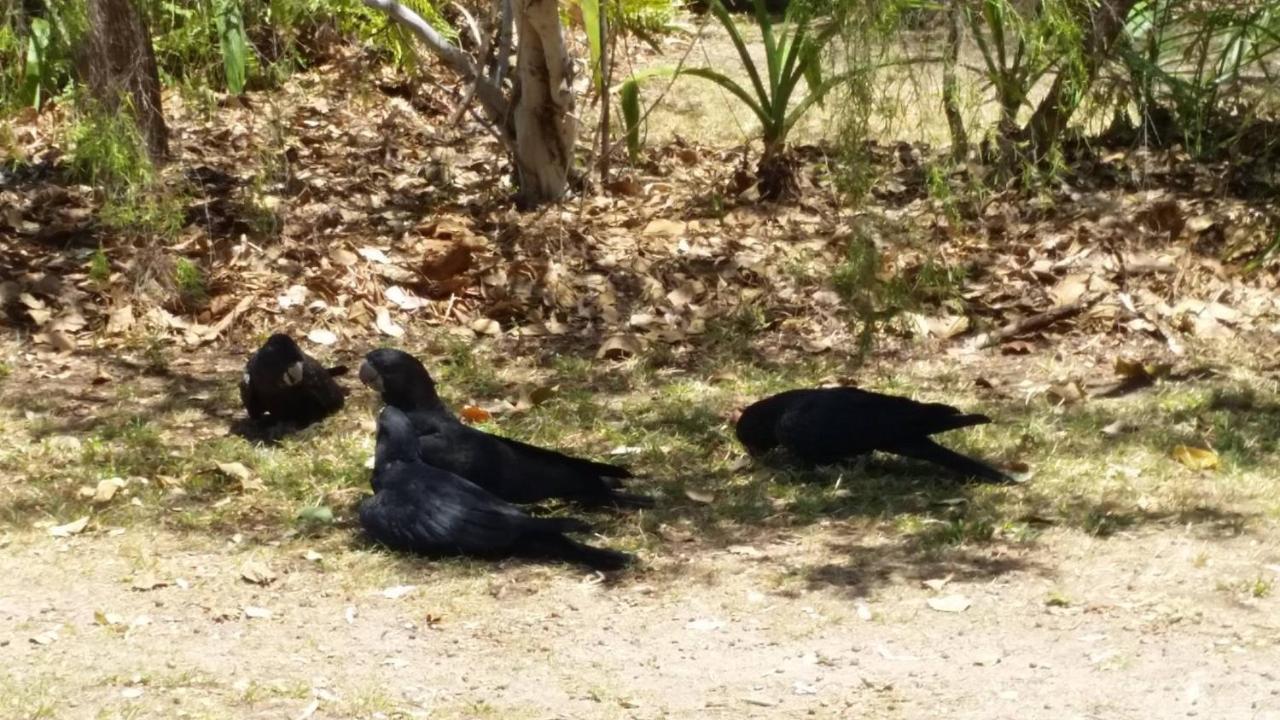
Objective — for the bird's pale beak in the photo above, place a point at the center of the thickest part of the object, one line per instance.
(293, 375)
(370, 377)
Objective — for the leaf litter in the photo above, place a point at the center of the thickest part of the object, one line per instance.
(367, 249)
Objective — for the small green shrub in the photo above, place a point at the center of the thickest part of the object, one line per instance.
(190, 282)
(99, 266)
(875, 297)
(153, 210)
(108, 152)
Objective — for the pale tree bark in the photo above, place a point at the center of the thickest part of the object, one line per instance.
(119, 67)
(538, 123)
(545, 125)
(951, 85)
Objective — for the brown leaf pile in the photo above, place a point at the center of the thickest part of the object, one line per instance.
(352, 216)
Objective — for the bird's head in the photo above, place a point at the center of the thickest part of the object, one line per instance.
(396, 442)
(754, 428)
(400, 379)
(285, 353)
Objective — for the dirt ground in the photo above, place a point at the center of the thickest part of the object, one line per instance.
(836, 610)
(1149, 624)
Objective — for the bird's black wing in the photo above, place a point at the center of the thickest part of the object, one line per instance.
(249, 397)
(534, 453)
(324, 395)
(515, 471)
(824, 426)
(424, 509)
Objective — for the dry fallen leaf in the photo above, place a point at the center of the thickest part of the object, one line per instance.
(1070, 289)
(486, 326)
(1195, 458)
(258, 573)
(106, 618)
(374, 255)
(936, 584)
(45, 638)
(321, 336)
(1066, 393)
(473, 414)
(234, 470)
(386, 325)
(143, 583)
(398, 591)
(107, 489)
(699, 496)
(942, 327)
(402, 298)
(618, 347)
(1116, 429)
(950, 603)
(69, 529)
(662, 227)
(343, 256)
(120, 320)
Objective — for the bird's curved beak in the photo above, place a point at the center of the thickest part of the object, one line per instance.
(370, 377)
(293, 375)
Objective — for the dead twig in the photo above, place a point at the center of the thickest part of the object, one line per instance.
(1036, 322)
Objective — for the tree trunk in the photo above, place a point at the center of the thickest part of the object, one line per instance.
(1102, 23)
(119, 67)
(538, 124)
(951, 85)
(543, 114)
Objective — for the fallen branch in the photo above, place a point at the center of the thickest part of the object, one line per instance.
(1035, 322)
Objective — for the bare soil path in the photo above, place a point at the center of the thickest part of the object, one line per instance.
(1159, 623)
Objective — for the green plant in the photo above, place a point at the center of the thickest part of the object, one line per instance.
(857, 281)
(875, 297)
(36, 50)
(146, 210)
(1019, 46)
(791, 56)
(108, 152)
(1261, 587)
(234, 44)
(1193, 61)
(99, 266)
(189, 281)
(629, 101)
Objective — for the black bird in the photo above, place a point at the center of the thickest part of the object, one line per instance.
(282, 381)
(423, 509)
(512, 470)
(827, 425)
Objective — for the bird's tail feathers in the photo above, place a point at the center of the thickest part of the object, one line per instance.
(926, 449)
(568, 550)
(955, 422)
(630, 500)
(555, 525)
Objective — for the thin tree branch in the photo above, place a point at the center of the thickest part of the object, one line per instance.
(489, 94)
(505, 30)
